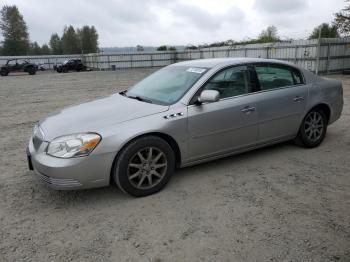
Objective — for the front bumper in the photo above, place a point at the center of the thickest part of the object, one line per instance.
(71, 173)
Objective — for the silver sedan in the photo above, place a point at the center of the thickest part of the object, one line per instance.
(181, 115)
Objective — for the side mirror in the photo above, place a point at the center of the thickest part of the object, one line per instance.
(209, 96)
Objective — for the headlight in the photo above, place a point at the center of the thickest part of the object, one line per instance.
(73, 145)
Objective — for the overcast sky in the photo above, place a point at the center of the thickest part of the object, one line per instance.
(175, 22)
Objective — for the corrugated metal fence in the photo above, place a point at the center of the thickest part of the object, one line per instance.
(326, 55)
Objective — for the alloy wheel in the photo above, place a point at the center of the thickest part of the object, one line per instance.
(313, 126)
(147, 168)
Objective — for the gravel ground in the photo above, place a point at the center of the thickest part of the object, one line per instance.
(281, 203)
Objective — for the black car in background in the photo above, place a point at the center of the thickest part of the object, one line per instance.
(18, 65)
(70, 65)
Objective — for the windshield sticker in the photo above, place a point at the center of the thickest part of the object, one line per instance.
(195, 70)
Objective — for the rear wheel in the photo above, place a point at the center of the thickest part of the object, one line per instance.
(31, 71)
(313, 129)
(144, 166)
(4, 72)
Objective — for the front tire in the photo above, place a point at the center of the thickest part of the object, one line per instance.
(4, 72)
(144, 166)
(313, 129)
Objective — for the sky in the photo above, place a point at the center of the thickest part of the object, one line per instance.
(175, 22)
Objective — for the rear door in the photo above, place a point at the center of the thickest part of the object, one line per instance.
(228, 124)
(281, 102)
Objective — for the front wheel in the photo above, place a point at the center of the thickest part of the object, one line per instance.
(313, 129)
(144, 166)
(4, 72)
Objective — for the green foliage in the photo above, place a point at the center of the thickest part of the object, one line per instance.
(191, 47)
(268, 35)
(139, 48)
(45, 50)
(14, 31)
(56, 44)
(34, 49)
(70, 41)
(342, 20)
(172, 48)
(162, 48)
(88, 39)
(327, 31)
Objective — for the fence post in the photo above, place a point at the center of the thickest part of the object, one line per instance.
(245, 52)
(328, 57)
(267, 52)
(296, 54)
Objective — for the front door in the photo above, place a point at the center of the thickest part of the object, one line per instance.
(228, 124)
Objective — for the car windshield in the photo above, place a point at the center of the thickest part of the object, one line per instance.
(167, 85)
(65, 62)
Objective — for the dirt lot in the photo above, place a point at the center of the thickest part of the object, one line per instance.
(281, 203)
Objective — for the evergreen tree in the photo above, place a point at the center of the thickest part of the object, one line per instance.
(88, 39)
(34, 49)
(56, 44)
(45, 50)
(70, 41)
(14, 31)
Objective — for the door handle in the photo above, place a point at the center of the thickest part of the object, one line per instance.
(298, 99)
(248, 109)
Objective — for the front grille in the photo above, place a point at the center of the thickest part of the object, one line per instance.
(59, 182)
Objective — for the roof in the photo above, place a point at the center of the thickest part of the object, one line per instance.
(212, 62)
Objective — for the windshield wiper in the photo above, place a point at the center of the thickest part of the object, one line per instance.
(139, 98)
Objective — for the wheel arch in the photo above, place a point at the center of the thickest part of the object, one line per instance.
(167, 138)
(324, 107)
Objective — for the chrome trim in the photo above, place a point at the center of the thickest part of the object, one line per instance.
(59, 182)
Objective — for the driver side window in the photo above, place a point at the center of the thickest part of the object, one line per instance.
(230, 82)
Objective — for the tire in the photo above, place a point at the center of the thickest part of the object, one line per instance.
(59, 70)
(31, 71)
(144, 166)
(65, 70)
(4, 72)
(313, 129)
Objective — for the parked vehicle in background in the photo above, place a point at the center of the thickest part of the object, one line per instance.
(70, 65)
(184, 114)
(18, 65)
(41, 67)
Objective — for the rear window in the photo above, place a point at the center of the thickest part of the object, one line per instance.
(274, 76)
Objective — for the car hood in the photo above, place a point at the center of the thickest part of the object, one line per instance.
(95, 115)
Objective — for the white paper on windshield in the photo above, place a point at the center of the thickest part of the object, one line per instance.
(195, 70)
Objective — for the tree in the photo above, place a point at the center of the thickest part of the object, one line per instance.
(34, 49)
(14, 31)
(172, 48)
(70, 41)
(191, 47)
(56, 44)
(327, 31)
(88, 39)
(162, 48)
(342, 20)
(139, 48)
(45, 50)
(268, 35)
